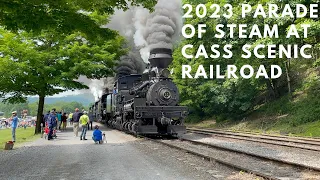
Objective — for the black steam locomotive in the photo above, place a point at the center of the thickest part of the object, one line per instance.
(144, 104)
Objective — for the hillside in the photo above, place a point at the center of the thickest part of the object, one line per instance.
(298, 114)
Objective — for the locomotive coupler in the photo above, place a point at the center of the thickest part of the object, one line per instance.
(164, 120)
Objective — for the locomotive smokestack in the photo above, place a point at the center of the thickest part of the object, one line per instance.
(160, 57)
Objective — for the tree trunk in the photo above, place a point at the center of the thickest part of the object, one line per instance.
(39, 115)
(287, 64)
(270, 89)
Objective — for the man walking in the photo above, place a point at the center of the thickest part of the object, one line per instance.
(52, 122)
(76, 117)
(84, 120)
(14, 125)
(59, 116)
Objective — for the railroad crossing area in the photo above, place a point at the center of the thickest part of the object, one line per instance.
(197, 155)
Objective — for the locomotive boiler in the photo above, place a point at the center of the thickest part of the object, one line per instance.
(146, 104)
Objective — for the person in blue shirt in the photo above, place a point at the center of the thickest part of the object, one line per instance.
(44, 122)
(14, 125)
(97, 135)
(114, 90)
(45, 117)
(52, 122)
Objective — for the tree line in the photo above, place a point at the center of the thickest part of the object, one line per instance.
(32, 108)
(235, 98)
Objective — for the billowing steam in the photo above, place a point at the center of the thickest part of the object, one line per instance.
(143, 31)
(161, 29)
(96, 86)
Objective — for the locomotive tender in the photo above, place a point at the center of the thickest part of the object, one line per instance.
(144, 104)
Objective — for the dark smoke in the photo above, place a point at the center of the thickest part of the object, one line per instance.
(130, 64)
(145, 31)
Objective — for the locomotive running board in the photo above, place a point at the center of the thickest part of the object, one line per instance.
(161, 108)
(159, 111)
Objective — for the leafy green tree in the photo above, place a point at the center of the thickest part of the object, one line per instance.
(62, 16)
(229, 98)
(45, 65)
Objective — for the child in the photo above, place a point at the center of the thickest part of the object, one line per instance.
(97, 135)
(46, 132)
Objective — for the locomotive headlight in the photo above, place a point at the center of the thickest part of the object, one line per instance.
(166, 94)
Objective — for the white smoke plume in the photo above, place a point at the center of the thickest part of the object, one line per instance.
(96, 86)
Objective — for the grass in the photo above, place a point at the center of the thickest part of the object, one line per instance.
(311, 129)
(22, 136)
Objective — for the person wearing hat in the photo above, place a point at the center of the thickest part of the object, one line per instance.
(14, 125)
(84, 119)
(97, 135)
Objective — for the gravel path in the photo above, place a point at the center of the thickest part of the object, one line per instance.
(123, 157)
(306, 157)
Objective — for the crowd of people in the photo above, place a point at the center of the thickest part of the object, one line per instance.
(22, 123)
(56, 121)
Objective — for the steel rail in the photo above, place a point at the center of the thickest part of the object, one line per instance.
(256, 136)
(253, 154)
(257, 140)
(210, 158)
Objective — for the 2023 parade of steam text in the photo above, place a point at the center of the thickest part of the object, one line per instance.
(245, 31)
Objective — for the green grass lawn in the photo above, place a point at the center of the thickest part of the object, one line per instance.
(22, 135)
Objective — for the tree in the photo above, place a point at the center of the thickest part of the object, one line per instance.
(47, 64)
(235, 97)
(67, 41)
(62, 16)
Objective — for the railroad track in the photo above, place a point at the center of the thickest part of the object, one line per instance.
(266, 167)
(301, 143)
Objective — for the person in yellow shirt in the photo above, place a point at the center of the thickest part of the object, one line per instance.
(70, 118)
(84, 120)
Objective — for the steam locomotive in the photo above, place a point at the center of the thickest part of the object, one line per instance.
(145, 104)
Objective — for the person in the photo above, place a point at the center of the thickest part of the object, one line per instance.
(97, 135)
(44, 122)
(25, 124)
(64, 121)
(76, 117)
(52, 122)
(115, 90)
(59, 116)
(70, 118)
(84, 120)
(14, 125)
(45, 117)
